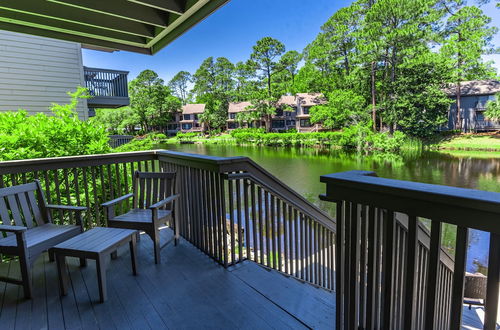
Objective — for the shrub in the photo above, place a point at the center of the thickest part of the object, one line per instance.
(24, 136)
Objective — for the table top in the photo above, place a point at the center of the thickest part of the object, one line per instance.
(97, 240)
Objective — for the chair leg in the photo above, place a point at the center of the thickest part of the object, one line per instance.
(156, 241)
(26, 275)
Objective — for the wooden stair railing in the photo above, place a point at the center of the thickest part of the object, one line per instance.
(386, 277)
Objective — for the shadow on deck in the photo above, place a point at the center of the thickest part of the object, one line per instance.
(188, 290)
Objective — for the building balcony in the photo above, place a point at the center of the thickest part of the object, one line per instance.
(108, 88)
(254, 253)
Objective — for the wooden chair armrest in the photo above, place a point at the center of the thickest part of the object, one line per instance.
(67, 208)
(161, 203)
(13, 229)
(77, 209)
(117, 200)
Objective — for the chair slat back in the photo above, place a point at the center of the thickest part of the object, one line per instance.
(152, 187)
(23, 205)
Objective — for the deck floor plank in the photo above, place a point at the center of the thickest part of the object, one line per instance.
(39, 317)
(187, 291)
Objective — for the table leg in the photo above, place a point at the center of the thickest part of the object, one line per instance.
(101, 278)
(63, 274)
(133, 253)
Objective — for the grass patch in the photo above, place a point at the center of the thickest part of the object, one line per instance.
(471, 142)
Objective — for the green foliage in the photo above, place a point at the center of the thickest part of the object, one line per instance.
(493, 108)
(358, 137)
(146, 142)
(38, 136)
(117, 121)
(186, 137)
(344, 108)
(179, 85)
(152, 101)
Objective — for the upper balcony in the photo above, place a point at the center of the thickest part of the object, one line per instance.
(108, 88)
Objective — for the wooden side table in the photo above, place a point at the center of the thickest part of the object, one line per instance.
(97, 244)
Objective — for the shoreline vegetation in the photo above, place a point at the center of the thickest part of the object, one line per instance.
(356, 138)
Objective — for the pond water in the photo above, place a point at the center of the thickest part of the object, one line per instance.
(301, 169)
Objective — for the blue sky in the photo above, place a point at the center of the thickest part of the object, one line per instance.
(233, 30)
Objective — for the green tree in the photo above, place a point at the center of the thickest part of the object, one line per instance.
(179, 85)
(289, 62)
(467, 37)
(265, 59)
(344, 108)
(214, 85)
(147, 95)
(493, 108)
(117, 121)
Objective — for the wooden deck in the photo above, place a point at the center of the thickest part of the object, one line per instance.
(188, 290)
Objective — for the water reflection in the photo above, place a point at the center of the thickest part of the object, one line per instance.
(301, 169)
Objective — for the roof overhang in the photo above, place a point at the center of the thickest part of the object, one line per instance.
(142, 26)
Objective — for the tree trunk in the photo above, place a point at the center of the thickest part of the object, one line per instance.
(374, 102)
(458, 124)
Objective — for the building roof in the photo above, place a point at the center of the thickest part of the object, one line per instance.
(289, 100)
(238, 106)
(310, 99)
(142, 26)
(475, 87)
(193, 108)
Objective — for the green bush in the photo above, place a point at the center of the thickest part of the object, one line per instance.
(24, 136)
(186, 137)
(358, 137)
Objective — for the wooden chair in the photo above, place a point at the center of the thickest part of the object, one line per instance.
(153, 206)
(25, 212)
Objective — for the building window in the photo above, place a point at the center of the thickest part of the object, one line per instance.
(305, 123)
(172, 127)
(232, 115)
(290, 123)
(186, 117)
(187, 127)
(232, 125)
(479, 116)
(279, 112)
(305, 110)
(278, 124)
(288, 113)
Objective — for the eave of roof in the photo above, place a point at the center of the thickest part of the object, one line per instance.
(142, 26)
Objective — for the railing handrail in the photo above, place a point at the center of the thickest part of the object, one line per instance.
(86, 68)
(41, 164)
(459, 206)
(219, 164)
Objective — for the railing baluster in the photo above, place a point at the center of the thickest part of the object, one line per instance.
(247, 220)
(492, 287)
(254, 221)
(340, 265)
(238, 215)
(411, 271)
(462, 240)
(432, 274)
(231, 223)
(388, 268)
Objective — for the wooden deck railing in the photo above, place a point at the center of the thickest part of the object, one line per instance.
(230, 208)
(391, 274)
(105, 82)
(234, 210)
(118, 140)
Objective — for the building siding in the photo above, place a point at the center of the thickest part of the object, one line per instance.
(473, 107)
(36, 72)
